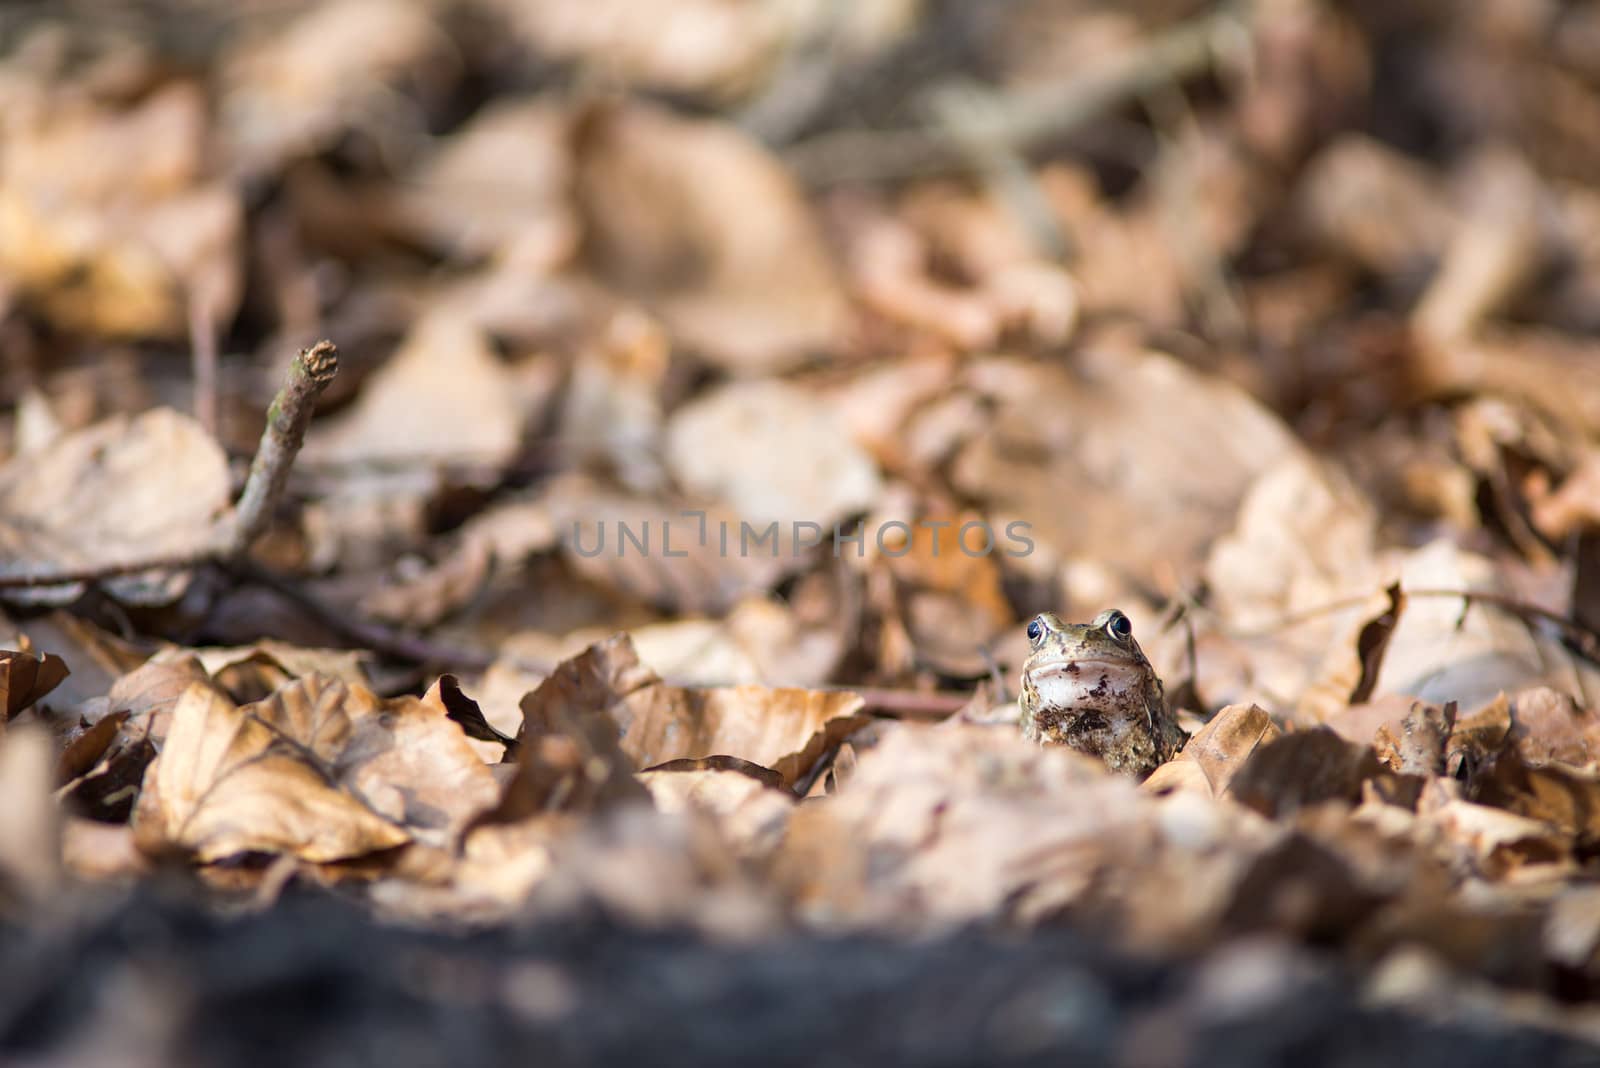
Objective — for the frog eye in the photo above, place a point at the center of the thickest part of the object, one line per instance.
(1119, 627)
(1035, 631)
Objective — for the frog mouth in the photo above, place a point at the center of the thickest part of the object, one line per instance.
(1081, 668)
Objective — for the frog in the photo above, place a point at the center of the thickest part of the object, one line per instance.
(1089, 686)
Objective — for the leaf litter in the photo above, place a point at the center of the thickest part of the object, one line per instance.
(626, 567)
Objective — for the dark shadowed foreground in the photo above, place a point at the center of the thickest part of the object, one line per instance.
(315, 983)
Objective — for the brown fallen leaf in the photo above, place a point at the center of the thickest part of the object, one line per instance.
(443, 396)
(1304, 768)
(1549, 726)
(1557, 795)
(464, 712)
(26, 676)
(953, 823)
(227, 783)
(1086, 458)
(752, 292)
(125, 250)
(570, 758)
(289, 91)
(1218, 750)
(403, 758)
(84, 750)
(740, 445)
(782, 729)
(124, 490)
(748, 803)
(1373, 641)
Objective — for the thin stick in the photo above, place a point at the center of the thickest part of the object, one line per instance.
(100, 572)
(1585, 637)
(1021, 122)
(203, 356)
(285, 432)
(368, 634)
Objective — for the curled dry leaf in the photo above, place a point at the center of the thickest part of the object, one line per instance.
(320, 770)
(752, 290)
(1217, 751)
(782, 729)
(1549, 726)
(227, 783)
(402, 757)
(120, 491)
(26, 676)
(571, 758)
(251, 672)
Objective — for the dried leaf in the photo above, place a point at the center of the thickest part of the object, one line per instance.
(465, 713)
(1373, 641)
(753, 292)
(782, 729)
(1087, 459)
(26, 676)
(742, 445)
(444, 396)
(227, 783)
(125, 251)
(123, 490)
(1304, 768)
(747, 801)
(402, 758)
(1226, 743)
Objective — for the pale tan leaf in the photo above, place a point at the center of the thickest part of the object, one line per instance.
(753, 291)
(226, 783)
(120, 491)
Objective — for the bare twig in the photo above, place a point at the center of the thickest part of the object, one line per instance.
(285, 432)
(291, 410)
(968, 113)
(1586, 638)
(101, 572)
(367, 634)
(1021, 122)
(203, 356)
(910, 704)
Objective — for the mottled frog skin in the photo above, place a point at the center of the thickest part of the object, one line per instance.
(1089, 686)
